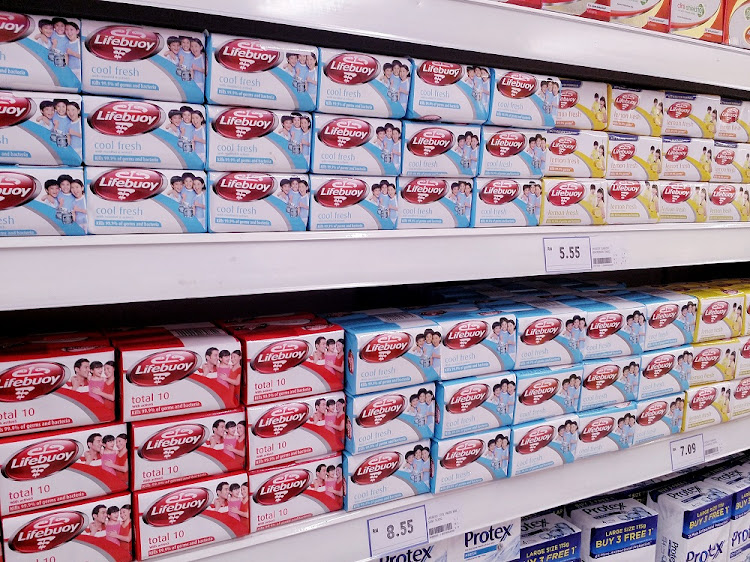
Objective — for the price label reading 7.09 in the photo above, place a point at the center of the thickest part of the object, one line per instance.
(397, 531)
(567, 254)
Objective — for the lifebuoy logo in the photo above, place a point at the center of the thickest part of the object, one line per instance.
(283, 487)
(126, 118)
(605, 325)
(626, 101)
(663, 316)
(247, 55)
(624, 190)
(659, 366)
(724, 157)
(566, 193)
(602, 377)
(177, 507)
(723, 194)
(345, 133)
(652, 413)
(499, 192)
(562, 146)
(381, 410)
(15, 109)
(352, 69)
(377, 467)
(437, 73)
(539, 391)
(164, 367)
(703, 398)
(466, 334)
(42, 459)
(124, 43)
(676, 152)
(128, 185)
(536, 439)
(385, 347)
(281, 356)
(173, 442)
(707, 358)
(281, 420)
(17, 189)
(597, 429)
(48, 532)
(715, 312)
(241, 187)
(680, 110)
(505, 144)
(516, 85)
(430, 142)
(343, 192)
(422, 191)
(541, 331)
(730, 115)
(742, 390)
(623, 151)
(462, 453)
(14, 27)
(29, 381)
(568, 98)
(676, 193)
(467, 398)
(238, 123)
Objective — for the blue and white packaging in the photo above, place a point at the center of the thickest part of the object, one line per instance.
(737, 480)
(474, 404)
(142, 134)
(437, 149)
(144, 201)
(665, 371)
(606, 430)
(450, 92)
(364, 146)
(513, 153)
(241, 138)
(435, 202)
(506, 202)
(500, 542)
(40, 129)
(363, 84)
(524, 100)
(38, 201)
(612, 327)
(143, 62)
(375, 478)
(40, 52)
(261, 73)
(668, 320)
(609, 381)
(382, 419)
(250, 202)
(658, 417)
(353, 203)
(470, 459)
(550, 334)
(543, 444)
(549, 537)
(547, 392)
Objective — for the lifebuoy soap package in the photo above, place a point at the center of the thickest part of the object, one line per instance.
(166, 452)
(143, 62)
(524, 100)
(364, 84)
(669, 316)
(353, 203)
(608, 381)
(727, 202)
(658, 417)
(743, 358)
(734, 118)
(665, 371)
(506, 202)
(435, 202)
(679, 201)
(579, 154)
(450, 92)
(701, 20)
(632, 202)
(39, 201)
(549, 334)
(573, 202)
(513, 153)
(549, 537)
(686, 159)
(261, 73)
(144, 134)
(731, 162)
(737, 481)
(296, 491)
(719, 315)
(583, 105)
(58, 467)
(739, 405)
(543, 444)
(178, 369)
(606, 430)
(690, 115)
(652, 15)
(40, 52)
(432, 149)
(381, 419)
(635, 111)
(714, 361)
(95, 530)
(173, 519)
(545, 392)
(398, 472)
(707, 405)
(634, 157)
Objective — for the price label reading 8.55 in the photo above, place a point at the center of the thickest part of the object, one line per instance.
(567, 254)
(397, 531)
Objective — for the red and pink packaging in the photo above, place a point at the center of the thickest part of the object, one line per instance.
(291, 431)
(294, 491)
(96, 530)
(166, 452)
(177, 518)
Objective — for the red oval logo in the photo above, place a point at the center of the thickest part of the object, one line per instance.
(281, 420)
(626, 101)
(17, 189)
(516, 85)
(126, 185)
(499, 192)
(14, 110)
(126, 118)
(164, 367)
(505, 144)
(602, 377)
(652, 413)
(707, 358)
(723, 194)
(715, 312)
(28, 381)
(703, 398)
(742, 390)
(605, 325)
(421, 191)
(242, 123)
(385, 347)
(466, 334)
(536, 439)
(659, 366)
(352, 69)
(177, 507)
(430, 141)
(541, 331)
(568, 98)
(246, 55)
(13, 26)
(242, 187)
(724, 157)
(664, 315)
(624, 190)
(566, 193)
(462, 453)
(124, 43)
(342, 192)
(283, 487)
(676, 193)
(623, 151)
(676, 152)
(377, 467)
(539, 391)
(440, 73)
(173, 442)
(381, 410)
(345, 132)
(597, 429)
(745, 351)
(280, 356)
(41, 460)
(48, 532)
(467, 398)
(680, 110)
(563, 145)
(730, 115)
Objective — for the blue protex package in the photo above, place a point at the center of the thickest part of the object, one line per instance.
(549, 537)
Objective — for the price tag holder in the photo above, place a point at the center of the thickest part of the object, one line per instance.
(687, 452)
(397, 531)
(567, 254)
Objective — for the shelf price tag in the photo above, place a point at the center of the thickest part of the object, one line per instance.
(567, 254)
(397, 531)
(687, 452)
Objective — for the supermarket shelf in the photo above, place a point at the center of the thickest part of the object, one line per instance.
(346, 533)
(146, 267)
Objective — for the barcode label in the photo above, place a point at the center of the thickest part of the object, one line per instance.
(198, 332)
(599, 261)
(712, 451)
(441, 529)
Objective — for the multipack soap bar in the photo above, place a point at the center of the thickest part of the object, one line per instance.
(441, 150)
(506, 202)
(583, 105)
(353, 203)
(524, 100)
(635, 111)
(658, 417)
(734, 117)
(435, 202)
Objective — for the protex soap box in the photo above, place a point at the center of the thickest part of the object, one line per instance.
(669, 316)
(680, 201)
(475, 404)
(250, 202)
(140, 200)
(652, 15)
(241, 138)
(399, 472)
(295, 491)
(363, 84)
(499, 542)
(707, 405)
(702, 20)
(632, 202)
(470, 459)
(94, 530)
(568, 201)
(658, 417)
(440, 149)
(714, 361)
(731, 162)
(583, 105)
(665, 371)
(53, 468)
(450, 92)
(543, 444)
(179, 369)
(295, 430)
(435, 202)
(608, 381)
(143, 62)
(40, 52)
(211, 510)
(605, 430)
(261, 73)
(524, 100)
(719, 314)
(166, 452)
(42, 201)
(737, 481)
(40, 129)
(382, 419)
(357, 145)
(739, 404)
(734, 116)
(549, 537)
(690, 115)
(546, 392)
(686, 159)
(634, 111)
(513, 153)
(506, 202)
(580, 154)
(727, 202)
(353, 203)
(550, 334)
(621, 530)
(634, 158)
(144, 134)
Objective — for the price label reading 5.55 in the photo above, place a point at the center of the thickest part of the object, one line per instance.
(567, 254)
(397, 531)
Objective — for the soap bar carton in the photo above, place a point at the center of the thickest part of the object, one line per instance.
(261, 73)
(635, 111)
(598, 10)
(735, 24)
(513, 153)
(524, 100)
(136, 61)
(669, 317)
(686, 159)
(714, 361)
(632, 202)
(690, 115)
(353, 203)
(739, 405)
(544, 443)
(549, 334)
(568, 201)
(432, 149)
(736, 479)
(549, 537)
(609, 381)
(500, 542)
(605, 430)
(680, 201)
(658, 417)
(665, 371)
(578, 154)
(506, 202)
(733, 123)
(547, 392)
(634, 157)
(450, 92)
(731, 162)
(727, 202)
(615, 326)
(652, 15)
(707, 405)
(583, 105)
(743, 357)
(701, 20)
(719, 315)
(435, 202)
